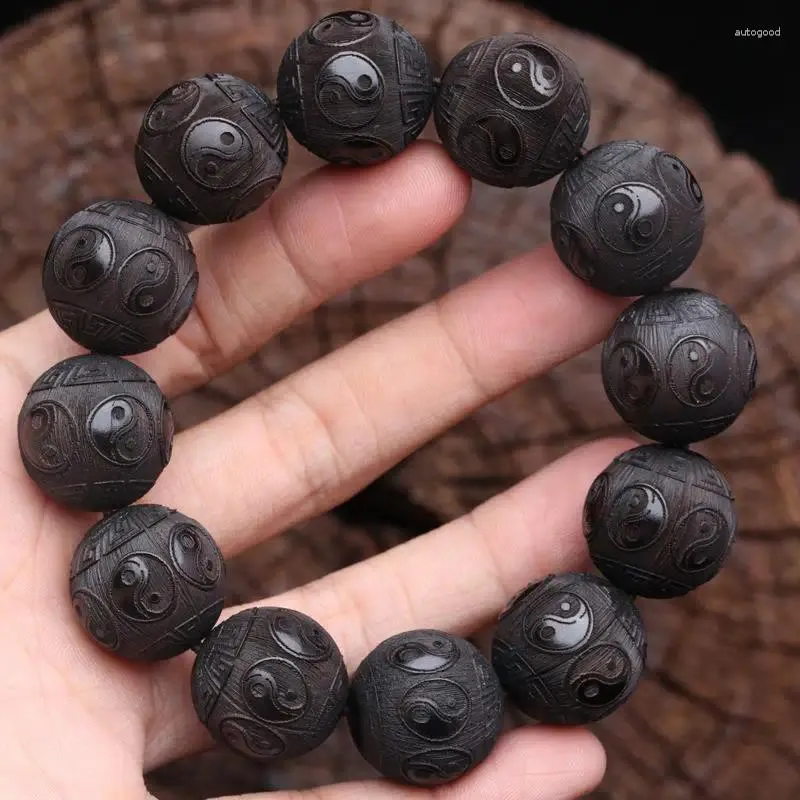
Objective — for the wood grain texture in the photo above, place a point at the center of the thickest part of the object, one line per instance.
(717, 715)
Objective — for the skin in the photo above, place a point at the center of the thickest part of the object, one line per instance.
(77, 723)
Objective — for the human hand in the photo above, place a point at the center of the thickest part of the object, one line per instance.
(78, 723)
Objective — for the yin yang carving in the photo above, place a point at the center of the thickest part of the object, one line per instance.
(269, 683)
(424, 707)
(211, 149)
(142, 584)
(512, 110)
(671, 366)
(585, 656)
(95, 432)
(355, 88)
(117, 276)
(641, 209)
(662, 522)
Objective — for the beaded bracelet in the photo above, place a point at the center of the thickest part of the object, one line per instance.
(424, 707)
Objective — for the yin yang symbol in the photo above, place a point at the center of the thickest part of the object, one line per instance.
(435, 710)
(350, 90)
(679, 181)
(343, 28)
(430, 652)
(121, 430)
(699, 371)
(142, 588)
(172, 108)
(82, 259)
(575, 249)
(632, 376)
(702, 539)
(195, 556)
(492, 136)
(148, 281)
(631, 218)
(48, 437)
(600, 676)
(275, 691)
(217, 153)
(528, 76)
(748, 361)
(637, 517)
(558, 622)
(251, 739)
(432, 767)
(594, 509)
(96, 619)
(300, 638)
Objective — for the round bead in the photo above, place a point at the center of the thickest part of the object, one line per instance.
(95, 432)
(425, 707)
(570, 649)
(627, 218)
(512, 110)
(269, 683)
(147, 583)
(120, 277)
(211, 149)
(659, 521)
(679, 366)
(355, 88)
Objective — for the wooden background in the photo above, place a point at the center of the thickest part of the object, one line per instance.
(718, 715)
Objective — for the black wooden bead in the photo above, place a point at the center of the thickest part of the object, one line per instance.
(512, 110)
(425, 707)
(659, 521)
(147, 583)
(269, 683)
(627, 218)
(120, 277)
(95, 432)
(570, 649)
(355, 88)
(211, 149)
(679, 366)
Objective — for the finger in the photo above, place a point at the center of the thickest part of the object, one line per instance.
(311, 241)
(311, 441)
(456, 578)
(527, 764)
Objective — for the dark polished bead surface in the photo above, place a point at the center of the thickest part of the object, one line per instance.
(627, 218)
(570, 649)
(512, 110)
(425, 707)
(269, 683)
(120, 277)
(679, 366)
(211, 149)
(95, 432)
(147, 583)
(660, 521)
(355, 88)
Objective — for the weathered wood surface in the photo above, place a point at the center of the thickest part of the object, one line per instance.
(719, 714)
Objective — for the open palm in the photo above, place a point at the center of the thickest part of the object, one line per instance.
(79, 724)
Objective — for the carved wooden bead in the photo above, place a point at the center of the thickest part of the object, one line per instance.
(120, 277)
(355, 88)
(659, 521)
(512, 110)
(570, 649)
(627, 218)
(95, 432)
(269, 683)
(211, 149)
(425, 707)
(679, 366)
(147, 583)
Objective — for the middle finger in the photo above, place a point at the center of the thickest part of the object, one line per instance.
(309, 442)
